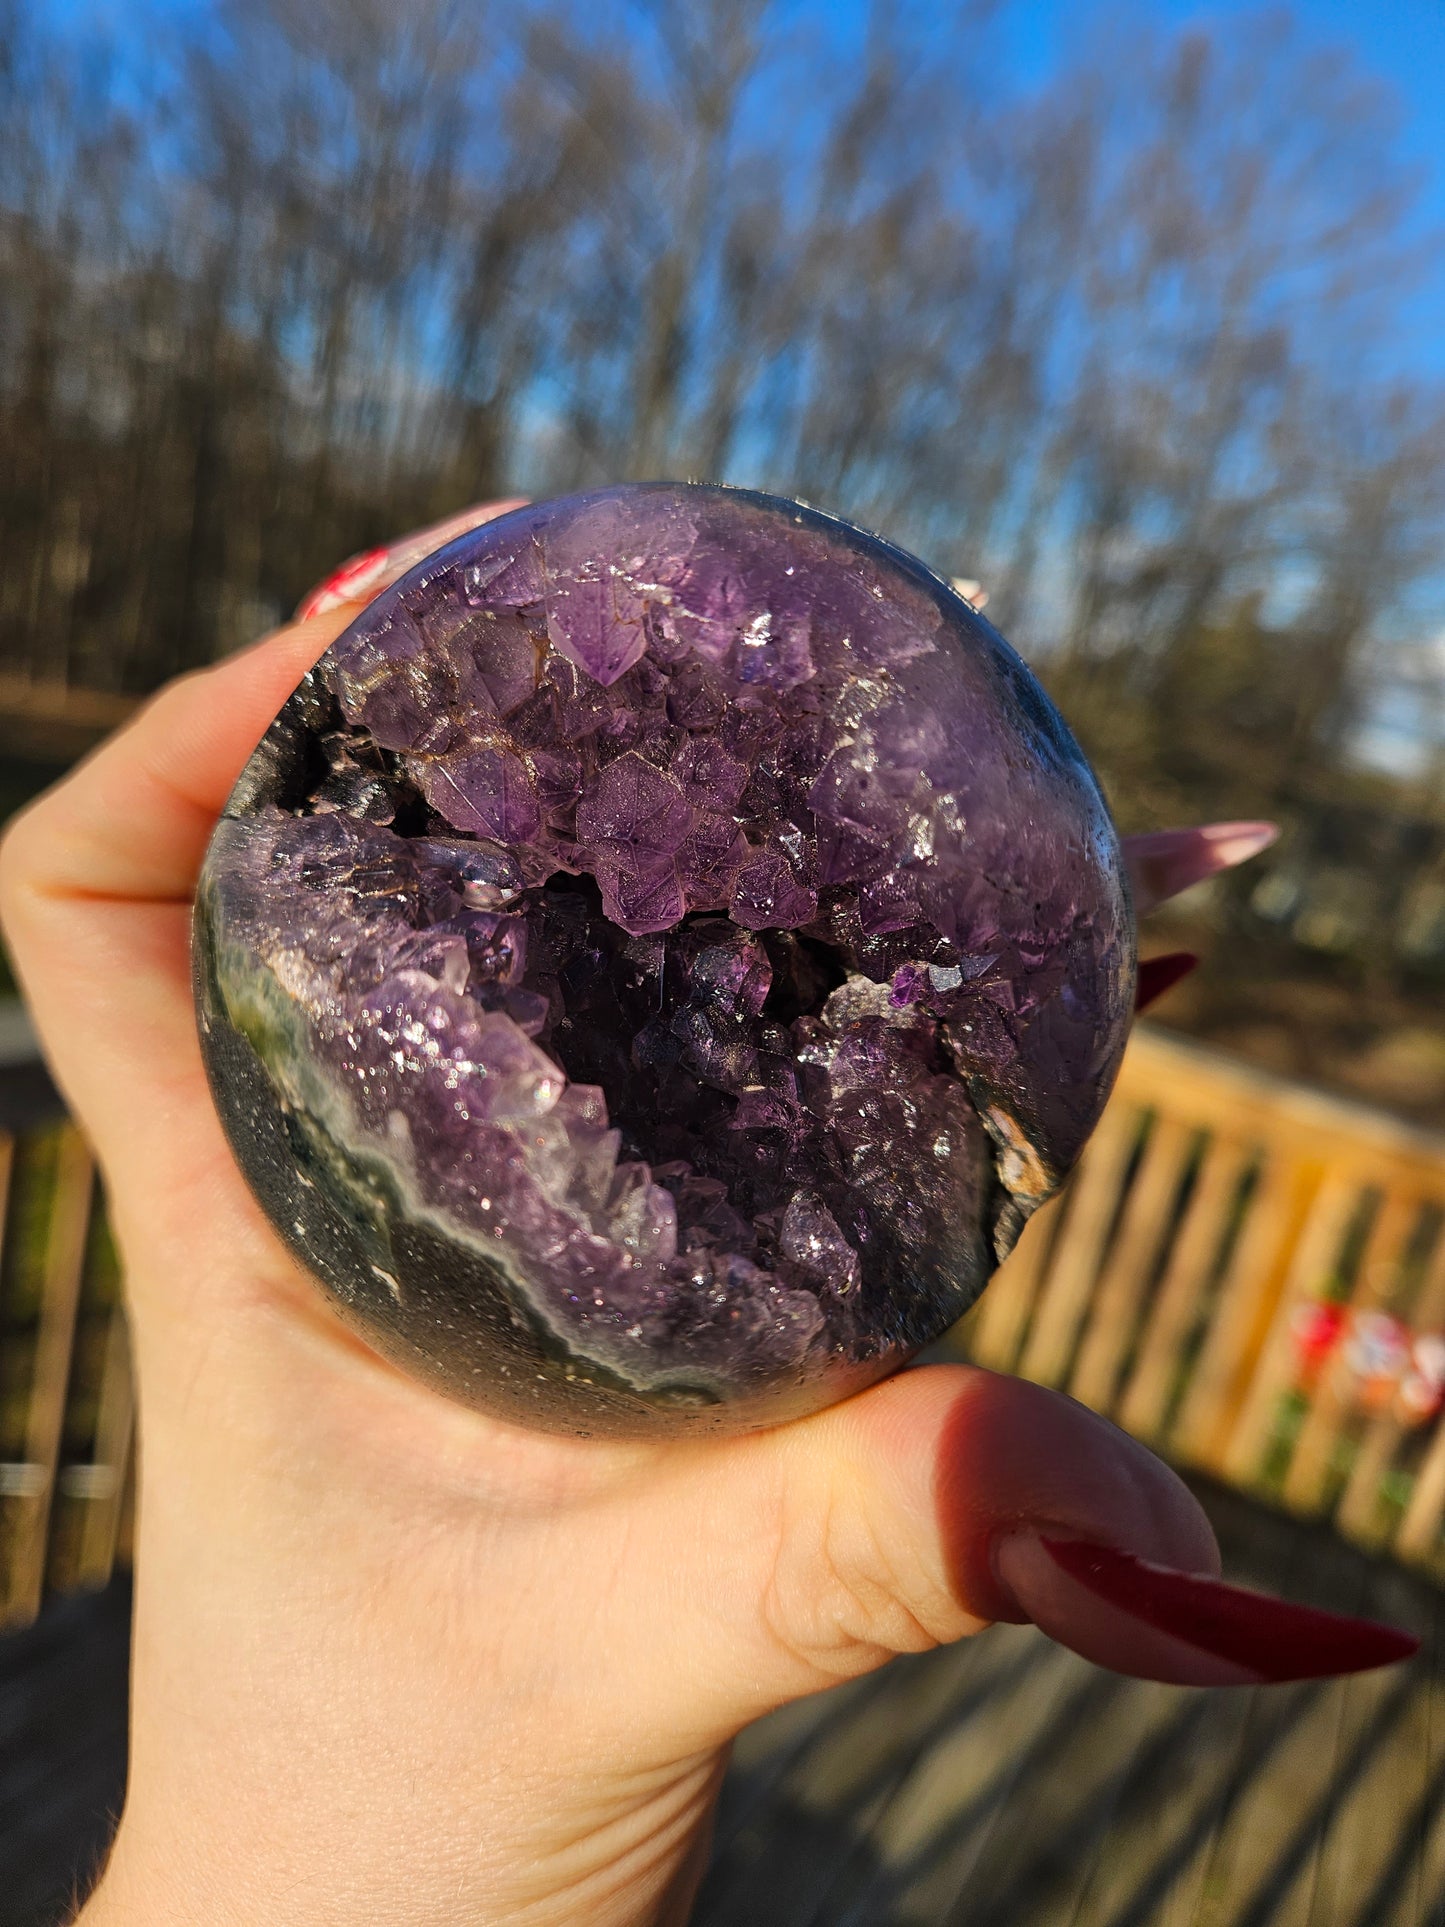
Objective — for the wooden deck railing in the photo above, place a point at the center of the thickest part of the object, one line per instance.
(65, 1388)
(1248, 1276)
(1251, 1278)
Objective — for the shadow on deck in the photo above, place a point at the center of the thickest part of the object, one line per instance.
(1004, 1783)
(1001, 1783)
(63, 1701)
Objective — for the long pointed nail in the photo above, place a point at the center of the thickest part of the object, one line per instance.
(1165, 862)
(1158, 974)
(363, 577)
(1156, 1623)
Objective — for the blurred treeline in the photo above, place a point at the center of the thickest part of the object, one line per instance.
(1130, 348)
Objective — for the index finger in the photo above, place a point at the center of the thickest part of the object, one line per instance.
(96, 880)
(97, 876)
(133, 820)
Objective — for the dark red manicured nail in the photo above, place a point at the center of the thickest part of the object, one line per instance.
(1158, 974)
(1270, 1639)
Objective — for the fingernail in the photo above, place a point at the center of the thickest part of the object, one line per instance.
(1164, 862)
(1154, 1622)
(1158, 974)
(356, 579)
(1238, 842)
(363, 577)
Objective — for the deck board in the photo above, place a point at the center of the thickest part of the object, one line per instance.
(62, 1750)
(1038, 1792)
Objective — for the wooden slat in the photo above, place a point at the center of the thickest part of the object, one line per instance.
(96, 711)
(125, 1524)
(114, 1421)
(45, 1423)
(1073, 1302)
(914, 1848)
(1067, 1775)
(1385, 1728)
(1056, 1795)
(1358, 1514)
(867, 1736)
(7, 1171)
(1332, 1407)
(1321, 1238)
(1095, 1197)
(1220, 1093)
(1178, 1802)
(1419, 1532)
(996, 1329)
(1144, 1404)
(1256, 1274)
(1129, 1269)
(1359, 1510)
(1267, 1852)
(1426, 1818)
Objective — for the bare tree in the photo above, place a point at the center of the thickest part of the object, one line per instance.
(1122, 348)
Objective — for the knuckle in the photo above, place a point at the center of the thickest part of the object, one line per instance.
(22, 844)
(31, 841)
(842, 1596)
(153, 720)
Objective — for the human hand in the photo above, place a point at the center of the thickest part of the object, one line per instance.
(396, 1661)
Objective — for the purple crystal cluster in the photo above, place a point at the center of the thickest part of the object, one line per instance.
(658, 959)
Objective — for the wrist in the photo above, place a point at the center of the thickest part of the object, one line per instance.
(615, 1862)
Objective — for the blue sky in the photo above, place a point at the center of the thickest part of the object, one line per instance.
(1401, 42)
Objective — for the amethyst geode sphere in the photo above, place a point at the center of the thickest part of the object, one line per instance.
(657, 960)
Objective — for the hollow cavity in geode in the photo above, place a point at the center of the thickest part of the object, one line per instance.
(656, 961)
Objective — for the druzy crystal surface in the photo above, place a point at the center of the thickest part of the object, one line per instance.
(655, 963)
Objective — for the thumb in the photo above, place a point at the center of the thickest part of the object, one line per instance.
(949, 1497)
